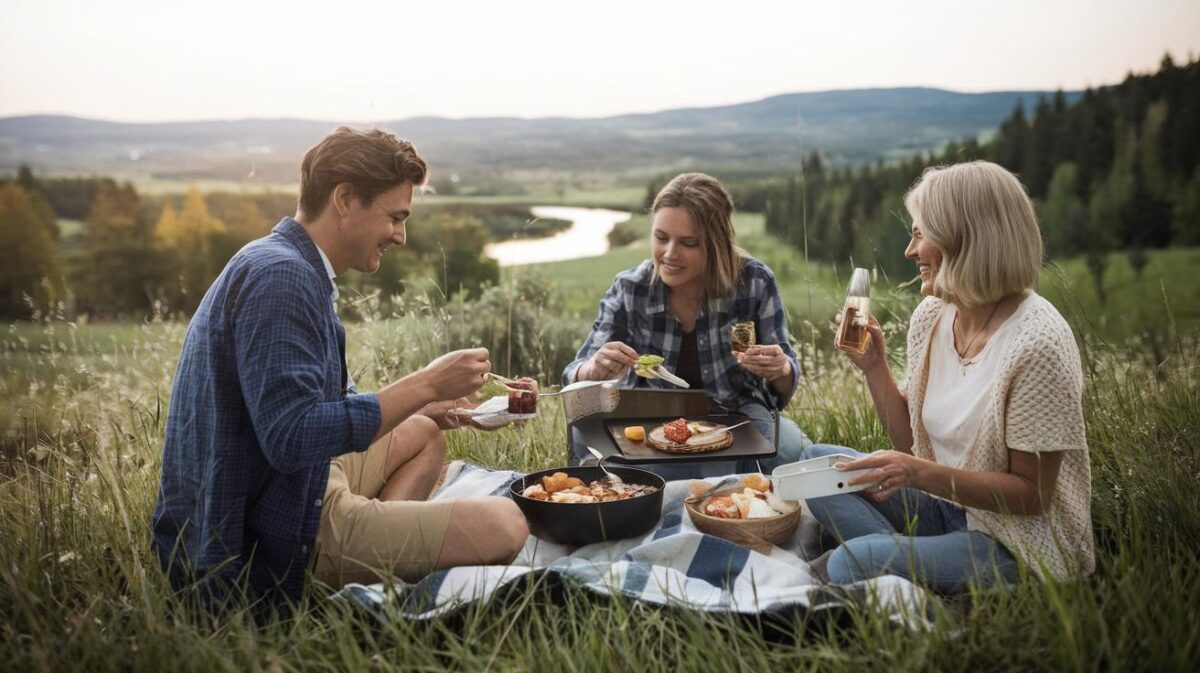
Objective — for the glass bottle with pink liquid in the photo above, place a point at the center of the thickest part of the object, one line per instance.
(852, 335)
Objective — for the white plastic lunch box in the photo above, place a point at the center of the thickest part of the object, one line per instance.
(815, 478)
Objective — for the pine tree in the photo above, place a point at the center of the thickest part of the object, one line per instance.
(1009, 145)
(1039, 151)
(1185, 218)
(1061, 213)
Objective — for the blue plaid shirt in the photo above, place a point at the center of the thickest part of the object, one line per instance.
(259, 407)
(634, 311)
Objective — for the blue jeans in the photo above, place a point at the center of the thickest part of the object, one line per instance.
(792, 441)
(912, 534)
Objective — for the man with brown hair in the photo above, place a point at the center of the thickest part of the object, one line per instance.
(273, 462)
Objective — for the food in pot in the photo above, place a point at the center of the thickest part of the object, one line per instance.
(559, 481)
(558, 487)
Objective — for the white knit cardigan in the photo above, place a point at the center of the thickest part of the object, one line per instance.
(1035, 405)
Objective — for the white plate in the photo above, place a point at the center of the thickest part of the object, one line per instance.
(494, 413)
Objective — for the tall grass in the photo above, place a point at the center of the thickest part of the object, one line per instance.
(81, 429)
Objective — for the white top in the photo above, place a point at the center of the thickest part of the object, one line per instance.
(333, 297)
(329, 270)
(1035, 404)
(958, 389)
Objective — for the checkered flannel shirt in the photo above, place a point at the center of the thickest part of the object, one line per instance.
(260, 405)
(634, 311)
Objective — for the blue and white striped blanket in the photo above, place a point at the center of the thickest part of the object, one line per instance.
(672, 565)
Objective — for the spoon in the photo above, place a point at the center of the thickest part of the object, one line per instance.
(613, 479)
(727, 481)
(506, 383)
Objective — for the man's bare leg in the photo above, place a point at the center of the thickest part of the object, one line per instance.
(416, 453)
(483, 531)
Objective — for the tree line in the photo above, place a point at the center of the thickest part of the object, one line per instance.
(1114, 170)
(136, 255)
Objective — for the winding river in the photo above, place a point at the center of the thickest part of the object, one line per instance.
(586, 237)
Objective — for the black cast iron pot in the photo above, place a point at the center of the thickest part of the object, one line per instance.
(577, 524)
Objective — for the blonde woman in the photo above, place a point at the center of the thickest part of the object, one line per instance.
(990, 462)
(681, 304)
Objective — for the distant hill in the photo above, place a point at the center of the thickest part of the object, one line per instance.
(848, 127)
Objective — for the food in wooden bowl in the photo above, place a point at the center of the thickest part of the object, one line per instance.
(559, 487)
(747, 514)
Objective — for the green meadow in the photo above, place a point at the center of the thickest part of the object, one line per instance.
(82, 413)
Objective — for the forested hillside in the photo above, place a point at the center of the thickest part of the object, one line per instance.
(129, 255)
(1115, 170)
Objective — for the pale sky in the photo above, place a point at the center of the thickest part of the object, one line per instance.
(362, 61)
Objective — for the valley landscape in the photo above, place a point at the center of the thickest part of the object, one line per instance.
(114, 231)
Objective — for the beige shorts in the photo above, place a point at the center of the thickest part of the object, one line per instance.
(366, 540)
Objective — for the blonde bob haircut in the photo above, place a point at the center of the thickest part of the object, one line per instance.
(980, 218)
(711, 209)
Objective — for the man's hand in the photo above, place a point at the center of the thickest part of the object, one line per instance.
(457, 373)
(451, 414)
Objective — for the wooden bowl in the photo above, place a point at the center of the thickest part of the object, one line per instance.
(757, 534)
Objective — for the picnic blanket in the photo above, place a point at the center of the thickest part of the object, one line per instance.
(673, 565)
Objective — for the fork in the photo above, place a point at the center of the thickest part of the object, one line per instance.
(504, 382)
(613, 479)
(726, 428)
